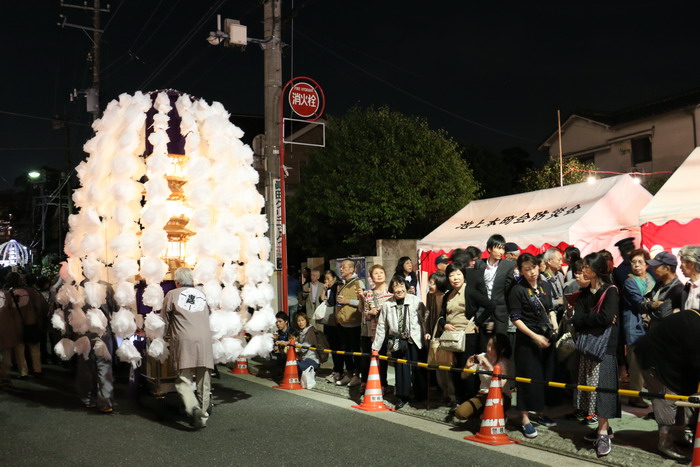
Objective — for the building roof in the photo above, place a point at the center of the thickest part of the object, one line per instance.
(660, 106)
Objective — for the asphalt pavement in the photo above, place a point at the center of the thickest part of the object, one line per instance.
(635, 442)
(43, 423)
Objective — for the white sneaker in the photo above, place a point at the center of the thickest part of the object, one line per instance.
(344, 381)
(333, 377)
(198, 421)
(354, 381)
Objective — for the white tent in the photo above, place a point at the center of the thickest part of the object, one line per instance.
(672, 218)
(589, 216)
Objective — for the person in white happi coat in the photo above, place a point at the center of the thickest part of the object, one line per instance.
(186, 315)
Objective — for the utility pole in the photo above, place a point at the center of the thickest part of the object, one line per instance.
(235, 35)
(92, 95)
(272, 13)
(96, 38)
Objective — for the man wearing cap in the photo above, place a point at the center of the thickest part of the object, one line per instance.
(512, 251)
(667, 294)
(690, 266)
(441, 262)
(624, 269)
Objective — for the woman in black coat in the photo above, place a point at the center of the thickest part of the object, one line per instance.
(597, 309)
(529, 306)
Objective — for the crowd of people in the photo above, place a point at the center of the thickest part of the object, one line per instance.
(27, 304)
(24, 316)
(551, 317)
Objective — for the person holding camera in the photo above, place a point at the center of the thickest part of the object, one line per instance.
(529, 305)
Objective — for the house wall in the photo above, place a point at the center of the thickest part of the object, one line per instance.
(673, 137)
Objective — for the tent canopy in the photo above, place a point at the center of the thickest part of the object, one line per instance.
(583, 214)
(672, 218)
(679, 198)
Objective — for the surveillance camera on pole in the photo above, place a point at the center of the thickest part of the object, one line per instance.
(234, 33)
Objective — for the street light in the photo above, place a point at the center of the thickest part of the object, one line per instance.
(35, 175)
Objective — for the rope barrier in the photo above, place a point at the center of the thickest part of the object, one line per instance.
(553, 384)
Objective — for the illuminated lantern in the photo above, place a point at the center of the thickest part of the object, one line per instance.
(168, 183)
(13, 253)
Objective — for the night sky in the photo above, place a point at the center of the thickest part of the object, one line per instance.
(491, 73)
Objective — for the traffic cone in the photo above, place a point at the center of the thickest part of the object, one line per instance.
(241, 367)
(373, 400)
(290, 380)
(696, 445)
(493, 423)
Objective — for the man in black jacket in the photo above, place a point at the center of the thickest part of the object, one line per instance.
(669, 356)
(499, 279)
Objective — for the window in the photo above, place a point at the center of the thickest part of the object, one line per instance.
(585, 159)
(641, 150)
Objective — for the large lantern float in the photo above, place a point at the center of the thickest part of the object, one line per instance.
(13, 253)
(167, 183)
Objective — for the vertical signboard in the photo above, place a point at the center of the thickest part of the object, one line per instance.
(278, 227)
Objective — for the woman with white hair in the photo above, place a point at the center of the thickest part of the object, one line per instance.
(690, 267)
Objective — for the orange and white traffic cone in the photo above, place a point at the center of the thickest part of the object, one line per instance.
(290, 380)
(696, 445)
(493, 423)
(374, 399)
(241, 367)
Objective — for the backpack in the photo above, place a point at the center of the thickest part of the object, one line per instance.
(322, 342)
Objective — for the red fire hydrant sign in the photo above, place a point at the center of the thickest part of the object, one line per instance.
(303, 99)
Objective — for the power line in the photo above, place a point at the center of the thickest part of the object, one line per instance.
(413, 96)
(205, 73)
(32, 149)
(380, 60)
(155, 30)
(36, 117)
(111, 18)
(185, 68)
(143, 28)
(130, 53)
(166, 61)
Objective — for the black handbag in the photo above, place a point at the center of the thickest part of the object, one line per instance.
(591, 345)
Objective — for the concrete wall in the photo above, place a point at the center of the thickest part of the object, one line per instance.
(389, 252)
